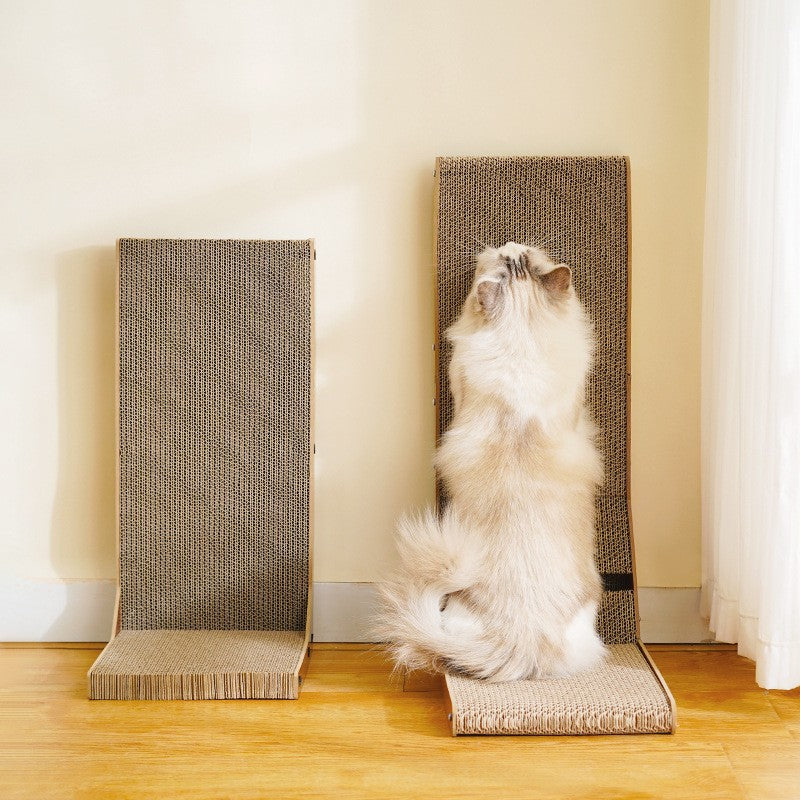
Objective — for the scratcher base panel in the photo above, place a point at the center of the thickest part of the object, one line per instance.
(199, 665)
(625, 695)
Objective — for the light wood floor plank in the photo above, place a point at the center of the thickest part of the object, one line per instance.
(767, 770)
(360, 731)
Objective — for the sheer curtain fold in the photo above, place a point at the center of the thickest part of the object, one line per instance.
(751, 336)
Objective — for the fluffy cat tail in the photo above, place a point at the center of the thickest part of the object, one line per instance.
(438, 558)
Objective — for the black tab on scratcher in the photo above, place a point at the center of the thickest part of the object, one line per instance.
(617, 581)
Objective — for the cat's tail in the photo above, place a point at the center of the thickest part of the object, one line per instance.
(424, 622)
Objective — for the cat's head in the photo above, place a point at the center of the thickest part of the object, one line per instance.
(516, 283)
(522, 334)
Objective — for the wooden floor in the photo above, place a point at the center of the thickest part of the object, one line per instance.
(356, 733)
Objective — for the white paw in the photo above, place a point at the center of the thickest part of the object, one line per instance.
(584, 649)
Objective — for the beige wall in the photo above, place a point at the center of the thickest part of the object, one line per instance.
(296, 120)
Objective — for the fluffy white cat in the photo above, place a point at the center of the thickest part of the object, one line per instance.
(503, 585)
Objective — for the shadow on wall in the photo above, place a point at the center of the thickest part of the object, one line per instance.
(83, 522)
(83, 538)
(372, 222)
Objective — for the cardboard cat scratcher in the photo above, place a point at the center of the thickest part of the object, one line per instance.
(215, 471)
(578, 210)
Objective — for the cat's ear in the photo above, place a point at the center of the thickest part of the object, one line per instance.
(558, 280)
(488, 294)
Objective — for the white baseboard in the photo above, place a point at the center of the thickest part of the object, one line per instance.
(56, 611)
(342, 612)
(80, 611)
(670, 615)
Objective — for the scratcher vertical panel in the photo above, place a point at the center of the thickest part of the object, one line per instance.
(576, 209)
(215, 452)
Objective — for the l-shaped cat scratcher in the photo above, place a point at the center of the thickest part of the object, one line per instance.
(578, 210)
(215, 471)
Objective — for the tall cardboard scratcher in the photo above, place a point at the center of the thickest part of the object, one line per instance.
(578, 210)
(215, 471)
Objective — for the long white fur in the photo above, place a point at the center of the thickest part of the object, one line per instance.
(503, 585)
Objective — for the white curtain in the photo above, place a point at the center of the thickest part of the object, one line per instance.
(751, 336)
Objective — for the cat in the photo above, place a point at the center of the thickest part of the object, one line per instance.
(503, 584)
